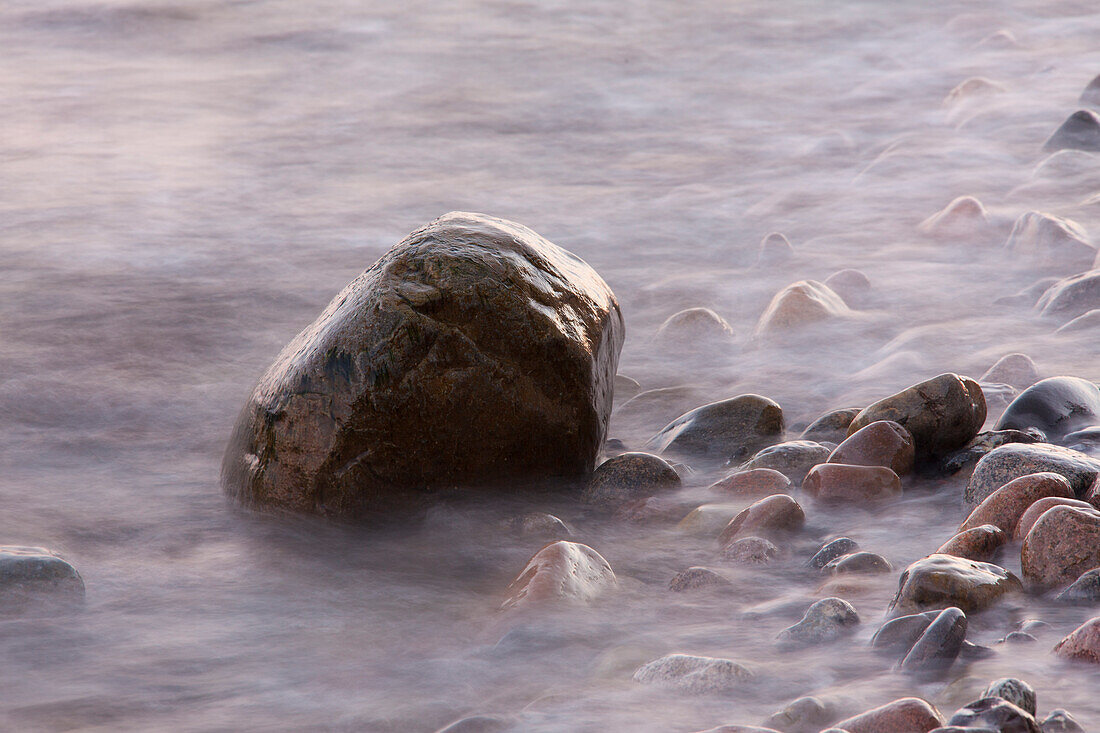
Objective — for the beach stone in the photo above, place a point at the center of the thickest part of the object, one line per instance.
(1091, 95)
(1018, 637)
(1071, 296)
(466, 344)
(1051, 243)
(694, 674)
(753, 482)
(881, 443)
(804, 715)
(775, 248)
(636, 416)
(831, 550)
(982, 444)
(963, 216)
(629, 477)
(937, 647)
(697, 577)
(1004, 507)
(561, 571)
(1016, 370)
(538, 524)
(977, 543)
(975, 86)
(839, 482)
(907, 715)
(995, 713)
(1063, 543)
(859, 563)
(800, 304)
(941, 581)
(1012, 461)
(831, 427)
(824, 621)
(852, 286)
(691, 326)
(1017, 692)
(750, 551)
(1082, 644)
(1039, 508)
(793, 459)
(772, 515)
(1059, 721)
(1056, 406)
(707, 519)
(1080, 131)
(899, 634)
(1084, 322)
(942, 414)
(730, 429)
(1085, 440)
(37, 580)
(1085, 591)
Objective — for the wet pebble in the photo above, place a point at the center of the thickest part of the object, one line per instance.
(1080, 131)
(692, 328)
(1004, 507)
(793, 459)
(730, 429)
(694, 674)
(1063, 543)
(798, 305)
(832, 426)
(997, 714)
(1017, 692)
(936, 648)
(1082, 644)
(1060, 721)
(831, 550)
(697, 577)
(775, 248)
(839, 482)
(804, 715)
(772, 515)
(1016, 370)
(1012, 461)
(977, 543)
(1039, 508)
(37, 580)
(1056, 406)
(750, 551)
(753, 482)
(907, 715)
(1085, 591)
(1051, 244)
(629, 477)
(824, 621)
(899, 634)
(860, 563)
(561, 571)
(941, 581)
(881, 443)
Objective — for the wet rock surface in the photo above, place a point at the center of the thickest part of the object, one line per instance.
(907, 715)
(939, 644)
(36, 580)
(1039, 508)
(859, 563)
(1085, 591)
(753, 482)
(561, 571)
(827, 620)
(772, 515)
(1082, 644)
(731, 429)
(838, 483)
(1056, 406)
(793, 459)
(804, 715)
(977, 543)
(832, 426)
(941, 581)
(1080, 131)
(1012, 461)
(881, 443)
(831, 550)
(629, 477)
(1017, 692)
(697, 577)
(1005, 506)
(1060, 721)
(1016, 370)
(799, 305)
(457, 326)
(694, 674)
(996, 714)
(1062, 544)
(750, 551)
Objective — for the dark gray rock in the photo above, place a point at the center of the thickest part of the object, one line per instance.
(1057, 406)
(36, 580)
(697, 577)
(1059, 721)
(1017, 692)
(899, 634)
(827, 620)
(1080, 131)
(995, 713)
(982, 444)
(831, 550)
(793, 459)
(1085, 591)
(1012, 461)
(731, 429)
(628, 477)
(832, 427)
(936, 649)
(467, 345)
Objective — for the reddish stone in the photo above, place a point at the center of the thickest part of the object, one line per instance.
(1004, 507)
(882, 443)
(769, 516)
(1038, 509)
(754, 482)
(1083, 643)
(977, 543)
(844, 482)
(561, 571)
(1063, 543)
(907, 715)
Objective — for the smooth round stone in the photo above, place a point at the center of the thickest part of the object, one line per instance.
(942, 414)
(793, 459)
(975, 86)
(37, 580)
(1087, 321)
(695, 674)
(1063, 543)
(799, 305)
(936, 649)
(852, 286)
(753, 482)
(708, 518)
(1071, 296)
(750, 551)
(941, 581)
(1056, 406)
(1017, 692)
(1039, 508)
(770, 516)
(473, 355)
(561, 571)
(831, 550)
(859, 563)
(1005, 506)
(1049, 244)
(963, 216)
(907, 715)
(1019, 637)
(775, 248)
(1080, 131)
(1059, 721)
(968, 457)
(977, 543)
(1016, 370)
(899, 634)
(839, 482)
(824, 621)
(697, 577)
(730, 429)
(629, 477)
(996, 713)
(1085, 591)
(1086, 440)
(831, 427)
(882, 443)
(1014, 460)
(804, 714)
(539, 524)
(690, 327)
(1082, 644)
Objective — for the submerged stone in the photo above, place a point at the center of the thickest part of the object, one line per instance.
(629, 477)
(941, 581)
(824, 621)
(800, 304)
(832, 550)
(1050, 242)
(1080, 131)
(1017, 692)
(831, 427)
(997, 714)
(561, 571)
(730, 429)
(1057, 406)
(1071, 296)
(793, 459)
(690, 327)
(694, 674)
(36, 580)
(1016, 370)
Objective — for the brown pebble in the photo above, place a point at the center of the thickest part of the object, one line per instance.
(561, 571)
(907, 715)
(1063, 543)
(882, 443)
(939, 581)
(771, 515)
(1036, 510)
(844, 482)
(1004, 507)
(1083, 643)
(977, 543)
(756, 481)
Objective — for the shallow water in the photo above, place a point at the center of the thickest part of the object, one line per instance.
(185, 186)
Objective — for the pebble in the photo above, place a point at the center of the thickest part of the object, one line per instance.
(775, 248)
(1050, 244)
(772, 515)
(629, 477)
(1059, 721)
(1083, 643)
(859, 563)
(1004, 507)
(708, 518)
(1039, 508)
(824, 621)
(1085, 322)
(907, 715)
(697, 577)
(882, 443)
(1017, 692)
(1085, 591)
(750, 551)
(997, 714)
(1091, 95)
(832, 426)
(899, 634)
(793, 459)
(1080, 131)
(37, 580)
(804, 715)
(941, 581)
(975, 86)
(852, 286)
(753, 482)
(831, 550)
(1071, 296)
(694, 674)
(561, 571)
(839, 482)
(1056, 406)
(938, 646)
(730, 429)
(1016, 370)
(1063, 543)
(977, 543)
(942, 414)
(968, 456)
(800, 304)
(1009, 462)
(539, 524)
(692, 326)
(965, 215)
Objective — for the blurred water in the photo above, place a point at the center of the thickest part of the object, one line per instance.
(185, 186)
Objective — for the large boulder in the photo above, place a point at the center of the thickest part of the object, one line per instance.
(1057, 406)
(942, 413)
(473, 353)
